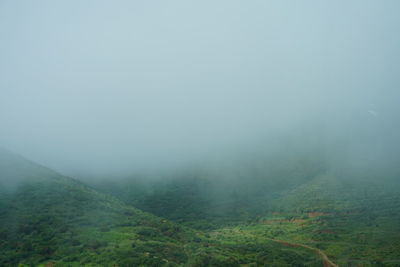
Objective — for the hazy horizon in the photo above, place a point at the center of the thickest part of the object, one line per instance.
(99, 87)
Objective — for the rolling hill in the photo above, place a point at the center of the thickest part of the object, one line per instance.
(352, 216)
(47, 219)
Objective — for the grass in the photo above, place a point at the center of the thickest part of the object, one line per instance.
(57, 221)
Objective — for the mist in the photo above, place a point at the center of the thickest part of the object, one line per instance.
(103, 87)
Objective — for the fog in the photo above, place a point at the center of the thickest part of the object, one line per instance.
(99, 87)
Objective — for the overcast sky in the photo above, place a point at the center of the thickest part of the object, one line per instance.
(97, 86)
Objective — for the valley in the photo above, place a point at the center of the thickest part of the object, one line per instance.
(47, 219)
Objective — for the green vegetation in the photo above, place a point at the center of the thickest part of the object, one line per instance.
(50, 220)
(47, 219)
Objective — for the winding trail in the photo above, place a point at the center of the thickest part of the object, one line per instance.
(325, 258)
(326, 261)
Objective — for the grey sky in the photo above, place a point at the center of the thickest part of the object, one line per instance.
(104, 85)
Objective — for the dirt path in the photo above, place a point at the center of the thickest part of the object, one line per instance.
(327, 261)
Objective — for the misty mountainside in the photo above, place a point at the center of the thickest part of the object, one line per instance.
(351, 214)
(354, 218)
(222, 192)
(47, 216)
(50, 219)
(199, 133)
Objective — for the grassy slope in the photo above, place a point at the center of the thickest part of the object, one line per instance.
(355, 221)
(353, 217)
(49, 217)
(46, 218)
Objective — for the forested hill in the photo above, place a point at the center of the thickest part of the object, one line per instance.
(352, 214)
(50, 219)
(227, 191)
(45, 216)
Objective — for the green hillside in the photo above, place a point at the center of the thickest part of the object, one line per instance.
(353, 217)
(356, 220)
(220, 193)
(46, 217)
(50, 219)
